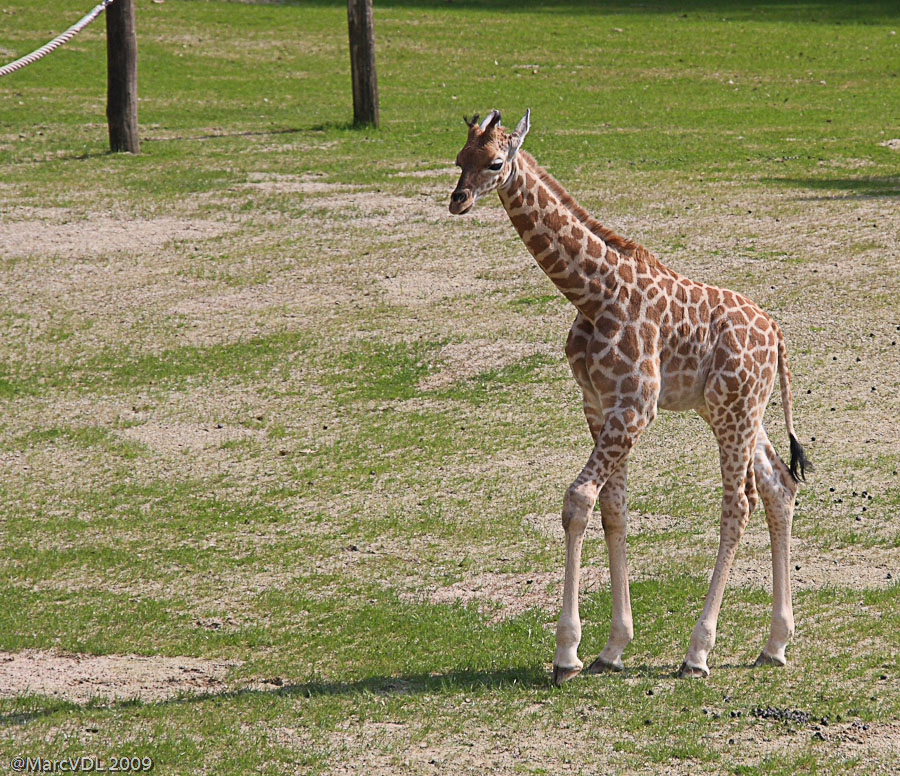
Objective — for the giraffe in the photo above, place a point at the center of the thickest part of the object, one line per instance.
(646, 338)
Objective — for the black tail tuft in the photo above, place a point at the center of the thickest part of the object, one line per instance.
(799, 461)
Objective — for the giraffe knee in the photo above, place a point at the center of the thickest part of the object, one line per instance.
(578, 504)
(613, 512)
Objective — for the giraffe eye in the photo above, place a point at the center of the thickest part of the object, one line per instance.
(496, 165)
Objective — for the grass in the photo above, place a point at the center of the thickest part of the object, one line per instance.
(262, 396)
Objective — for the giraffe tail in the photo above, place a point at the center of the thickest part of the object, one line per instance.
(799, 462)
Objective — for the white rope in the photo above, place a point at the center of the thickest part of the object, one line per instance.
(70, 33)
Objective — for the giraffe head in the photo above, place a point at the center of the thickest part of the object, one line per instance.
(486, 159)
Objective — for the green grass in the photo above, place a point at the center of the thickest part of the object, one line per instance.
(237, 442)
(115, 369)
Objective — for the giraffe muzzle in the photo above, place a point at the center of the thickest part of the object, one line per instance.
(461, 201)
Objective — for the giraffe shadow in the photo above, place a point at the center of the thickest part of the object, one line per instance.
(423, 683)
(459, 681)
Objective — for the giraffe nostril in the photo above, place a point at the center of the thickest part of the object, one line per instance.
(458, 196)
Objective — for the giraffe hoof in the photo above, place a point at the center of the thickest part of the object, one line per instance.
(696, 672)
(601, 666)
(564, 673)
(769, 660)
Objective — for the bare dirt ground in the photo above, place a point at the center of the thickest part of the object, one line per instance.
(47, 232)
(384, 748)
(81, 678)
(463, 360)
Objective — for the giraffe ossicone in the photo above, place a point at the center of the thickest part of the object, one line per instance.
(646, 338)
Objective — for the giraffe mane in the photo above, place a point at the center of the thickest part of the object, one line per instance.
(614, 239)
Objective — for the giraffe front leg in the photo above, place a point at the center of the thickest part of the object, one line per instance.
(614, 515)
(577, 507)
(622, 427)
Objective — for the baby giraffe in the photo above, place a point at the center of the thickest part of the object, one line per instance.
(644, 338)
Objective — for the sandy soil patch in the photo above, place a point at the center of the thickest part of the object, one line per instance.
(893, 143)
(174, 437)
(880, 737)
(389, 747)
(246, 303)
(82, 677)
(380, 211)
(872, 744)
(283, 183)
(507, 595)
(52, 231)
(423, 287)
(442, 172)
(460, 360)
(854, 568)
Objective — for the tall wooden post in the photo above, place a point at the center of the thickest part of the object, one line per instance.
(362, 62)
(121, 77)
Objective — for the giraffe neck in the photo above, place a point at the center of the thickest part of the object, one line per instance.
(591, 265)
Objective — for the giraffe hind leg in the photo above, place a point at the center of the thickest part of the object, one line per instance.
(777, 487)
(734, 459)
(736, 425)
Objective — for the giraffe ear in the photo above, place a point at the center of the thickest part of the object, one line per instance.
(490, 120)
(516, 138)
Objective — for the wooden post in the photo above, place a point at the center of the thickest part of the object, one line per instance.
(121, 77)
(362, 62)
